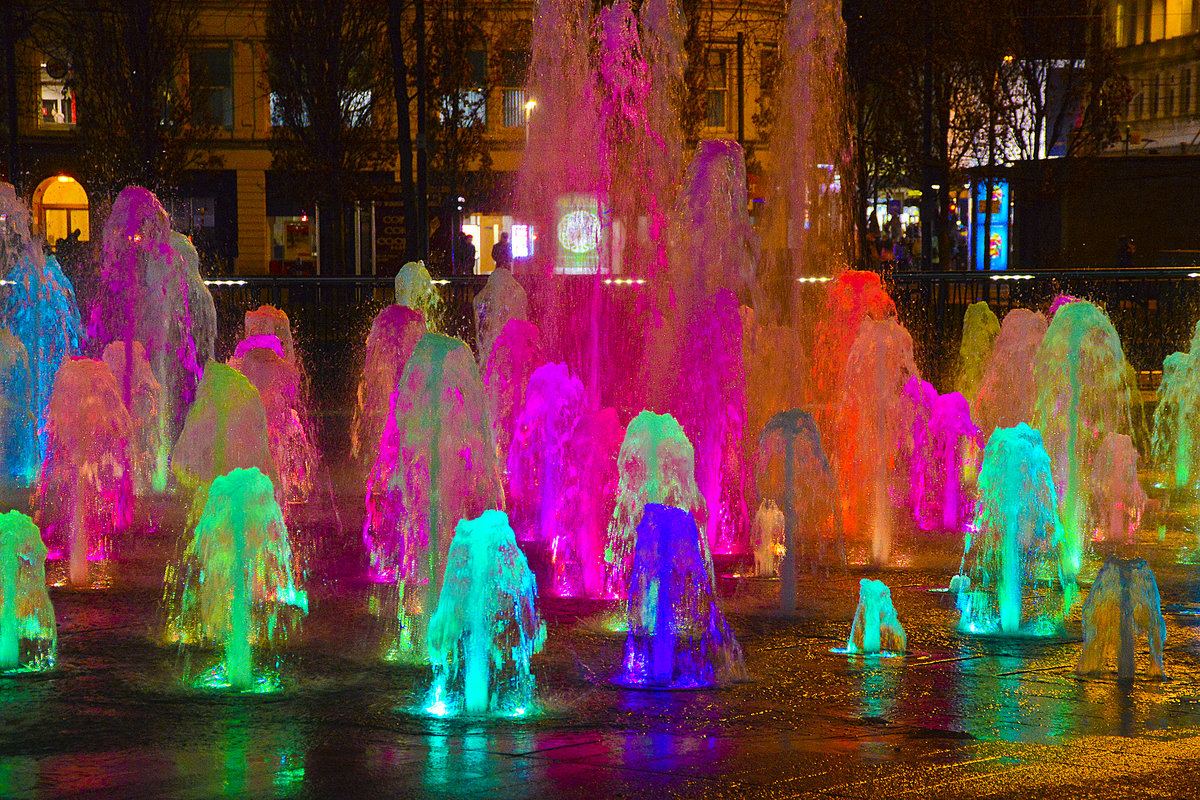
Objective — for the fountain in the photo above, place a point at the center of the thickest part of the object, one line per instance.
(225, 429)
(794, 475)
(1084, 392)
(17, 423)
(415, 290)
(678, 638)
(394, 334)
(28, 635)
(656, 464)
(85, 488)
(873, 423)
(1007, 391)
(201, 309)
(144, 297)
(1119, 496)
(271, 321)
(1122, 604)
(852, 298)
(39, 309)
(500, 300)
(587, 500)
(945, 460)
(876, 629)
(436, 465)
(546, 424)
(1016, 552)
(289, 439)
(979, 332)
(238, 585)
(147, 450)
(514, 356)
(767, 536)
(1175, 416)
(486, 626)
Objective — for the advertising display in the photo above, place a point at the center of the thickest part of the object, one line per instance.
(578, 233)
(995, 257)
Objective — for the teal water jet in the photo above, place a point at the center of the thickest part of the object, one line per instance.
(26, 615)
(486, 626)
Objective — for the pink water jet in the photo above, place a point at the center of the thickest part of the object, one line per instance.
(946, 458)
(1007, 390)
(515, 355)
(853, 297)
(85, 488)
(147, 448)
(500, 300)
(1119, 494)
(585, 505)
(394, 334)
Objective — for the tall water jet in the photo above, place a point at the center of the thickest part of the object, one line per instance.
(18, 425)
(1014, 577)
(238, 585)
(225, 429)
(1119, 496)
(767, 537)
(147, 450)
(271, 321)
(279, 385)
(501, 299)
(876, 628)
(436, 465)
(535, 460)
(656, 464)
(809, 218)
(39, 309)
(871, 424)
(486, 626)
(515, 355)
(415, 290)
(144, 297)
(28, 635)
(201, 309)
(849, 300)
(394, 334)
(1173, 447)
(979, 331)
(678, 638)
(1007, 391)
(1084, 392)
(1123, 604)
(945, 463)
(85, 488)
(794, 475)
(585, 505)
(777, 365)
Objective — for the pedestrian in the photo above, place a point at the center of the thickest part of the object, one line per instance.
(502, 252)
(464, 254)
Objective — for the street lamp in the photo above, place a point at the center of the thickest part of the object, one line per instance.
(530, 105)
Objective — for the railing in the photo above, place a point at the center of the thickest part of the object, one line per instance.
(1153, 310)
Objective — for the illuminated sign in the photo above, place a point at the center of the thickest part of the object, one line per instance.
(995, 257)
(580, 233)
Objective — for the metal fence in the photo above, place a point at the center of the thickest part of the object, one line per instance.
(1154, 311)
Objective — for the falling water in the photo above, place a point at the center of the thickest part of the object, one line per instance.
(1007, 390)
(28, 635)
(394, 334)
(876, 628)
(1122, 604)
(979, 332)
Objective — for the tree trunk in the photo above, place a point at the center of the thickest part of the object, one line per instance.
(408, 188)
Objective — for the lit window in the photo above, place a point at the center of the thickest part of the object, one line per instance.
(718, 88)
(56, 97)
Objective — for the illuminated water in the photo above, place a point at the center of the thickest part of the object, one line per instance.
(1122, 605)
(238, 586)
(394, 334)
(678, 637)
(876, 628)
(225, 429)
(794, 477)
(1084, 392)
(416, 290)
(515, 354)
(145, 398)
(500, 300)
(979, 331)
(85, 488)
(656, 465)
(17, 421)
(944, 465)
(1173, 447)
(28, 634)
(1007, 391)
(486, 626)
(1014, 578)
(1119, 496)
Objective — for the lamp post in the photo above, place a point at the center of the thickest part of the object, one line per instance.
(530, 105)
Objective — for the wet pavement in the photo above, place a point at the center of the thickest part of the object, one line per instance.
(958, 716)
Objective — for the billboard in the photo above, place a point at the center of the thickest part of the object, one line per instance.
(996, 242)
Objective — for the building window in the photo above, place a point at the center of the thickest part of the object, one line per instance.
(718, 89)
(514, 108)
(1185, 92)
(768, 69)
(1168, 105)
(210, 73)
(1139, 102)
(514, 73)
(469, 106)
(56, 97)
